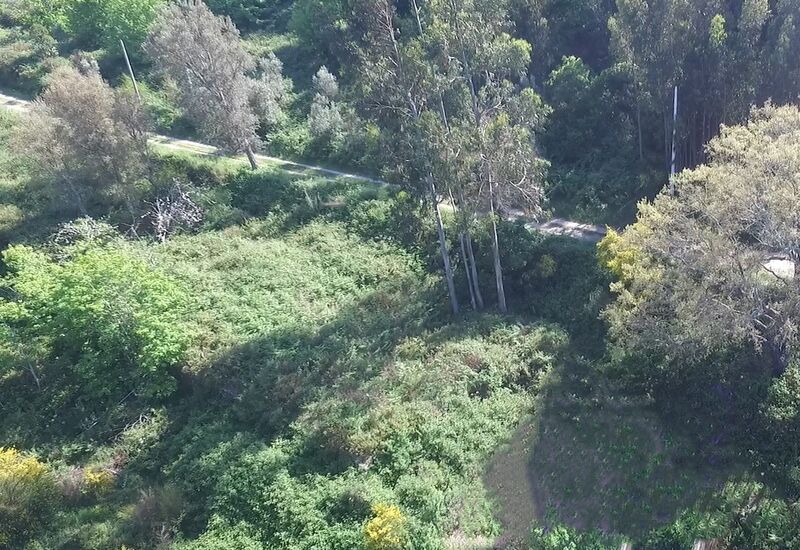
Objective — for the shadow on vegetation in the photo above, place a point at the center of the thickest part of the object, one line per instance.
(553, 279)
(594, 459)
(268, 379)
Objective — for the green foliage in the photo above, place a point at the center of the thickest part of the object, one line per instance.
(744, 514)
(667, 305)
(552, 278)
(769, 523)
(690, 526)
(589, 138)
(235, 537)
(564, 538)
(102, 23)
(26, 58)
(47, 14)
(110, 319)
(325, 400)
(321, 26)
(415, 436)
(780, 447)
(160, 105)
(717, 35)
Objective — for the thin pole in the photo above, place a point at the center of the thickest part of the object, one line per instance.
(674, 129)
(130, 69)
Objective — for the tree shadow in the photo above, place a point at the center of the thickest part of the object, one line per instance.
(593, 459)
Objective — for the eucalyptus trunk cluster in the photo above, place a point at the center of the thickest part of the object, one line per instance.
(446, 82)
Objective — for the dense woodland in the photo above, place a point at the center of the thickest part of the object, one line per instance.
(230, 352)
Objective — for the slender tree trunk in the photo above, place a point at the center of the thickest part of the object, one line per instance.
(702, 137)
(130, 69)
(672, 166)
(474, 268)
(666, 140)
(448, 270)
(35, 376)
(498, 268)
(78, 199)
(780, 359)
(467, 271)
(476, 287)
(251, 157)
(132, 213)
(462, 228)
(416, 14)
(639, 127)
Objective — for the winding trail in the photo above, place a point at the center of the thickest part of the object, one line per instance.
(557, 226)
(297, 168)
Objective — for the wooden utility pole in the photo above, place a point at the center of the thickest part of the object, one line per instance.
(130, 69)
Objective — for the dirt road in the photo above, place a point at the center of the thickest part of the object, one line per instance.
(557, 226)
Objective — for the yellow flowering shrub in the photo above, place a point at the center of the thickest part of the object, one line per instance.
(27, 495)
(97, 481)
(616, 255)
(18, 467)
(386, 529)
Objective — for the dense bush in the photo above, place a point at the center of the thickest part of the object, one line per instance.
(591, 143)
(416, 434)
(26, 59)
(109, 319)
(102, 23)
(743, 515)
(779, 443)
(161, 105)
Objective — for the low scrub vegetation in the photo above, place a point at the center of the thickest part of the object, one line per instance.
(233, 352)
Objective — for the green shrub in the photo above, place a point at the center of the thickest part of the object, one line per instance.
(107, 317)
(102, 23)
(161, 106)
(134, 445)
(744, 514)
(26, 59)
(779, 443)
(772, 524)
(259, 192)
(254, 14)
(395, 219)
(690, 526)
(223, 537)
(202, 172)
(556, 279)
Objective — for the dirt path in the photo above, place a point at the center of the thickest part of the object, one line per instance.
(581, 231)
(509, 483)
(203, 149)
(584, 232)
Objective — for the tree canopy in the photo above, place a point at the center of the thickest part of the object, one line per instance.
(697, 271)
